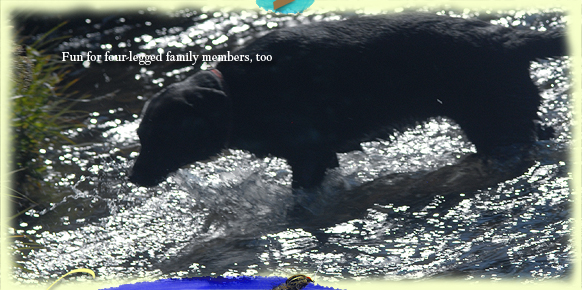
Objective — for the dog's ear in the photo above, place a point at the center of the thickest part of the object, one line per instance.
(212, 105)
(207, 99)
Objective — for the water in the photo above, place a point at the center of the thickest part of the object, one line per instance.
(236, 215)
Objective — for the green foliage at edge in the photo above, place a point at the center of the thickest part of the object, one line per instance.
(41, 111)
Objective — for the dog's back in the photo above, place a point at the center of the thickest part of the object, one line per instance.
(349, 77)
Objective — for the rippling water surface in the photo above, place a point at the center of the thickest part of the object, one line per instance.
(236, 215)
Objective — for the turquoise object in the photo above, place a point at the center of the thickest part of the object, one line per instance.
(296, 6)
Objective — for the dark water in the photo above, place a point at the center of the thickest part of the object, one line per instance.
(236, 215)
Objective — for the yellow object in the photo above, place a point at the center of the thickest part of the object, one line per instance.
(74, 271)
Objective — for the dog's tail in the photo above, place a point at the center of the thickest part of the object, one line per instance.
(531, 44)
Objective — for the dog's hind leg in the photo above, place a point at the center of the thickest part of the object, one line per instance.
(506, 117)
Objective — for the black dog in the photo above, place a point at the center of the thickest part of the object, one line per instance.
(332, 85)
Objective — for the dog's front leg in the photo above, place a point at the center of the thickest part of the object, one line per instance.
(309, 166)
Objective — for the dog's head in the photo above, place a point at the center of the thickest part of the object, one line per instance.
(183, 124)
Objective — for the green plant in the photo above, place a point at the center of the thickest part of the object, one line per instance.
(41, 111)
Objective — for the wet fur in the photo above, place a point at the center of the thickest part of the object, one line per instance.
(333, 85)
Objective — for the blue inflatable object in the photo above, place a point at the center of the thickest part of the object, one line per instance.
(296, 6)
(255, 282)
